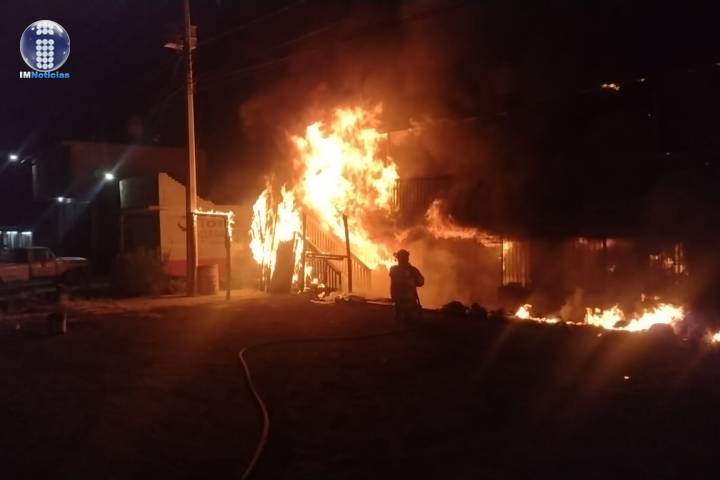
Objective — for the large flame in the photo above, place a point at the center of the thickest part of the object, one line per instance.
(260, 228)
(270, 226)
(339, 171)
(343, 173)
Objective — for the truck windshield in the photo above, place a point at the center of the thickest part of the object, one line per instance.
(13, 255)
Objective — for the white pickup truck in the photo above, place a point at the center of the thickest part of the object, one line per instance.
(18, 265)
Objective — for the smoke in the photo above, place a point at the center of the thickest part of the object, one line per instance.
(412, 57)
(460, 270)
(464, 103)
(443, 95)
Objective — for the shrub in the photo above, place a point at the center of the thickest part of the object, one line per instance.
(140, 272)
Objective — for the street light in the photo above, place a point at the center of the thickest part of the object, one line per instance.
(109, 176)
(13, 157)
(615, 87)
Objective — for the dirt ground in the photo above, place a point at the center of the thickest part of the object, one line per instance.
(154, 389)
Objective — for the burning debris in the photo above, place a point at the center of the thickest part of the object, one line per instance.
(614, 318)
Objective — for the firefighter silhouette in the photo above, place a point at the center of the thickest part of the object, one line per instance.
(404, 280)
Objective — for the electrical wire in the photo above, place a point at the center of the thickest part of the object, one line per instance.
(252, 22)
(211, 79)
(265, 433)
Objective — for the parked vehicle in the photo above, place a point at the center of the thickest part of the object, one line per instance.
(36, 264)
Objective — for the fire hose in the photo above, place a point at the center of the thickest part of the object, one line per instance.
(262, 441)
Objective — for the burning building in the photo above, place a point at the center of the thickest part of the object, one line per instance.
(346, 208)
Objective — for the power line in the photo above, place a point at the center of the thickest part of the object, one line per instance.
(372, 28)
(255, 21)
(307, 35)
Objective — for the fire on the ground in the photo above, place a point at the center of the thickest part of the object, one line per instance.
(614, 318)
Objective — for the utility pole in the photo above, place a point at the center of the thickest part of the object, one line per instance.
(189, 41)
(191, 184)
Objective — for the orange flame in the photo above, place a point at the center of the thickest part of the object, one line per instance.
(343, 173)
(615, 319)
(523, 313)
(443, 225)
(270, 227)
(260, 244)
(339, 171)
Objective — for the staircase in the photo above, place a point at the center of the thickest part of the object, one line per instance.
(326, 254)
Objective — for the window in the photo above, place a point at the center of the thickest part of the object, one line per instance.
(13, 255)
(41, 255)
(11, 239)
(26, 239)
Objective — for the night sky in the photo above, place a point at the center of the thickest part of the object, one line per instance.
(526, 77)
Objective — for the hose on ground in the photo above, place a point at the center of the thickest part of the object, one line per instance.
(265, 433)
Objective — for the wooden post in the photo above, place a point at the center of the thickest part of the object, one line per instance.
(191, 240)
(228, 257)
(301, 283)
(349, 255)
